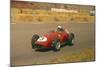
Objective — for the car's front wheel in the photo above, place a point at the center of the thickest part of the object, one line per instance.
(34, 39)
(56, 45)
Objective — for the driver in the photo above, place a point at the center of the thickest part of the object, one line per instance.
(60, 29)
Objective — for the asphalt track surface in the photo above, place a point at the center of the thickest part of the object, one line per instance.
(21, 34)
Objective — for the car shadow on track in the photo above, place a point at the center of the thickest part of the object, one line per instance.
(49, 49)
(43, 50)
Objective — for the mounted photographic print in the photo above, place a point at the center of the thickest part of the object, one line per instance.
(51, 33)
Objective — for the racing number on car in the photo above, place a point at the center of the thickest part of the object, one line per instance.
(41, 38)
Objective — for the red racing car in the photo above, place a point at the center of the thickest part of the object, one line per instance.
(54, 40)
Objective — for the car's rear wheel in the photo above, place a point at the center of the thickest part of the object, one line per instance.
(71, 39)
(34, 39)
(56, 45)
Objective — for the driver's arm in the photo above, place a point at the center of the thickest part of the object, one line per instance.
(66, 31)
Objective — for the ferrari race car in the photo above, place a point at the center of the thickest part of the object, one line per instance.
(54, 40)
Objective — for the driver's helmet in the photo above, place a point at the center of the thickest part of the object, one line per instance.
(60, 28)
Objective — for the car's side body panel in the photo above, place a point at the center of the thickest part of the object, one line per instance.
(46, 40)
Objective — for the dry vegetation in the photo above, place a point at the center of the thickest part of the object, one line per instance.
(83, 55)
(79, 56)
(29, 15)
(26, 12)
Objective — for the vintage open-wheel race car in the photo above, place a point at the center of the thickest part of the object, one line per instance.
(54, 40)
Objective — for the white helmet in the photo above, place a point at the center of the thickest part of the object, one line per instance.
(60, 27)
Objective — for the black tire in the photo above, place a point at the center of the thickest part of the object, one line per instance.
(34, 39)
(56, 45)
(71, 39)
